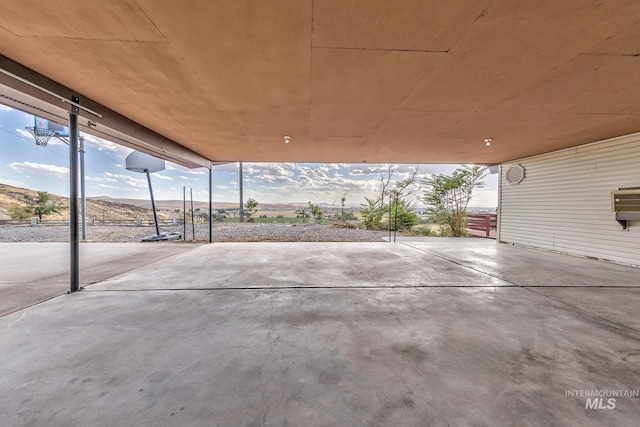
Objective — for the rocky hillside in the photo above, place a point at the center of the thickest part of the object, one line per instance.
(110, 209)
(98, 209)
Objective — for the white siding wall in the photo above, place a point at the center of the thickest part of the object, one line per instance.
(564, 203)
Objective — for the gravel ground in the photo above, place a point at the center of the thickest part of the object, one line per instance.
(222, 232)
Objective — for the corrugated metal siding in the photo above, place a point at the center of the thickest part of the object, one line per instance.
(563, 204)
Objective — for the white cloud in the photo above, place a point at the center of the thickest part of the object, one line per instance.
(113, 187)
(484, 198)
(5, 108)
(102, 145)
(196, 172)
(364, 170)
(231, 168)
(326, 183)
(100, 179)
(24, 133)
(323, 184)
(39, 168)
(166, 178)
(271, 172)
(136, 183)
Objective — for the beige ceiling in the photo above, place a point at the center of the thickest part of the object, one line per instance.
(349, 80)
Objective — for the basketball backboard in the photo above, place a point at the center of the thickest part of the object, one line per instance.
(56, 128)
(143, 163)
(43, 130)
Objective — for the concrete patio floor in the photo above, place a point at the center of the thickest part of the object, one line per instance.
(430, 332)
(43, 268)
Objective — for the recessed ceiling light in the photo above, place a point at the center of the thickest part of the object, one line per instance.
(488, 141)
(287, 138)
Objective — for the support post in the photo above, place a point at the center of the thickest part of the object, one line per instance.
(241, 196)
(487, 225)
(83, 201)
(184, 213)
(153, 204)
(210, 204)
(74, 243)
(389, 221)
(193, 223)
(395, 220)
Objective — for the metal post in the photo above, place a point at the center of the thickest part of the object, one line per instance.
(184, 213)
(153, 204)
(210, 204)
(83, 200)
(389, 221)
(74, 273)
(193, 224)
(241, 197)
(395, 220)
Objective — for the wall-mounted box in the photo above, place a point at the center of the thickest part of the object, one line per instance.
(626, 205)
(627, 201)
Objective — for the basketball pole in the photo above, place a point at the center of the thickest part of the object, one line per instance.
(74, 282)
(153, 203)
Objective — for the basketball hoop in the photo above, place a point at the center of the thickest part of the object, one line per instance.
(42, 136)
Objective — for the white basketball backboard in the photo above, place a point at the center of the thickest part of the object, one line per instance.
(142, 162)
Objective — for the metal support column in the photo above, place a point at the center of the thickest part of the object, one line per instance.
(395, 220)
(210, 204)
(389, 222)
(241, 196)
(83, 201)
(74, 273)
(193, 223)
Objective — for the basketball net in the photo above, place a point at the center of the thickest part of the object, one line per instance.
(42, 136)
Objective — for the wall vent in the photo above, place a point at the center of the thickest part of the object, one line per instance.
(515, 174)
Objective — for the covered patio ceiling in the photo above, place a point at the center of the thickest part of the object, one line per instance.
(348, 80)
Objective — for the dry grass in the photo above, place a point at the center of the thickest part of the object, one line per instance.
(343, 225)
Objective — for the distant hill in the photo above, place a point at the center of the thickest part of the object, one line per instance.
(98, 209)
(109, 208)
(270, 209)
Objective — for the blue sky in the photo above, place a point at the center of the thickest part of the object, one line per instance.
(25, 165)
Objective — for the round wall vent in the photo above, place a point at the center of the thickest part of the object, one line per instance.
(515, 174)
